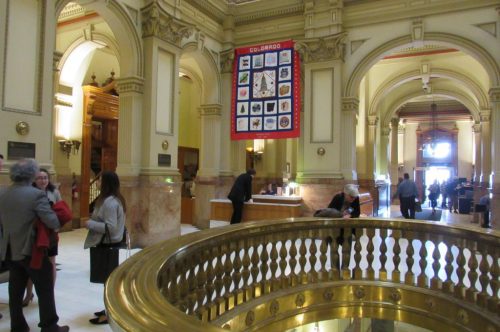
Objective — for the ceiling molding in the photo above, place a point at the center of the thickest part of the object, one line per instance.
(266, 13)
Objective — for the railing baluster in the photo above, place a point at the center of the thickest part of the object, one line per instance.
(201, 279)
(275, 284)
(410, 251)
(482, 297)
(302, 261)
(313, 250)
(436, 265)
(358, 273)
(265, 284)
(346, 254)
(245, 273)
(323, 249)
(460, 286)
(448, 268)
(192, 283)
(293, 262)
(494, 283)
(472, 275)
(228, 279)
(334, 256)
(284, 278)
(237, 273)
(254, 271)
(396, 258)
(370, 273)
(383, 254)
(423, 280)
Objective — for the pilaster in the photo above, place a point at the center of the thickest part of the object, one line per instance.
(370, 146)
(350, 109)
(394, 152)
(485, 147)
(384, 150)
(494, 94)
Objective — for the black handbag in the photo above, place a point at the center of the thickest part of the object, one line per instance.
(104, 258)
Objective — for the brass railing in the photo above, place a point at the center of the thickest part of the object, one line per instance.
(276, 275)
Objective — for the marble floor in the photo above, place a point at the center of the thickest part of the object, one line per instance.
(77, 298)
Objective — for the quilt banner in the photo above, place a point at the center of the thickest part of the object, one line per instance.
(266, 92)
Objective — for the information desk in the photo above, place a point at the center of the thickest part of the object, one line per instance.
(263, 207)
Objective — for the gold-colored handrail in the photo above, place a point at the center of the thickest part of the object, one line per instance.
(274, 275)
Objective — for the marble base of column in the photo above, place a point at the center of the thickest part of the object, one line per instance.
(153, 208)
(208, 188)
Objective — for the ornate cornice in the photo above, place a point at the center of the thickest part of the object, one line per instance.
(226, 61)
(130, 84)
(243, 18)
(208, 9)
(322, 49)
(158, 23)
(494, 94)
(211, 109)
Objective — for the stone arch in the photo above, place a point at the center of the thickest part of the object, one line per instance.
(128, 41)
(79, 41)
(465, 100)
(394, 82)
(467, 46)
(207, 71)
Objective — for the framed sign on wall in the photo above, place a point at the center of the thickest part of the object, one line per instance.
(266, 92)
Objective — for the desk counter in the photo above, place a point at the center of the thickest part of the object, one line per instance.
(263, 207)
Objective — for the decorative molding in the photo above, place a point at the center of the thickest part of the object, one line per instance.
(130, 84)
(494, 94)
(269, 13)
(417, 32)
(476, 128)
(485, 115)
(210, 109)
(134, 14)
(355, 44)
(372, 120)
(207, 8)
(322, 49)
(490, 28)
(55, 60)
(226, 61)
(158, 23)
(350, 104)
(385, 131)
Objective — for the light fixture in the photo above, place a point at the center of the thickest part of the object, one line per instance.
(67, 146)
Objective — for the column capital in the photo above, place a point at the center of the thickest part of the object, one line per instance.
(56, 57)
(401, 129)
(485, 115)
(395, 123)
(476, 128)
(226, 61)
(372, 120)
(350, 104)
(322, 49)
(158, 23)
(494, 94)
(385, 131)
(211, 109)
(132, 84)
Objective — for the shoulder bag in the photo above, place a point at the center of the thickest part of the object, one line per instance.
(104, 258)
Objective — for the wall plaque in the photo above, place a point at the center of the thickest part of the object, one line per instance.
(164, 160)
(20, 150)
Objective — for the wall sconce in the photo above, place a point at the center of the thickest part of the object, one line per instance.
(68, 146)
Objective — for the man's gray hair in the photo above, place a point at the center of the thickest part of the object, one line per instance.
(351, 190)
(24, 170)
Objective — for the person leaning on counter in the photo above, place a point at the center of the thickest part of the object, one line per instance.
(240, 193)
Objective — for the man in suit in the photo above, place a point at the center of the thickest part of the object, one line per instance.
(240, 193)
(21, 205)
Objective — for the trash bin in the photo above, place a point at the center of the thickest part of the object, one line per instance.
(464, 205)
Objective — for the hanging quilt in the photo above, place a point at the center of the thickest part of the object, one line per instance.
(266, 92)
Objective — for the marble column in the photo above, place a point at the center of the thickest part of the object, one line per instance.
(394, 154)
(495, 200)
(384, 150)
(350, 108)
(478, 190)
(326, 152)
(207, 177)
(485, 148)
(151, 181)
(370, 147)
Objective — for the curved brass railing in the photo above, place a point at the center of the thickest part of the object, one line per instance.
(276, 275)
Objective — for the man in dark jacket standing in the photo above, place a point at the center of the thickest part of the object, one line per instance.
(240, 193)
(20, 205)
